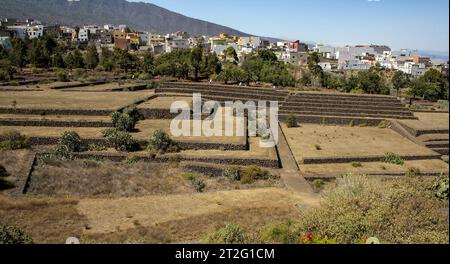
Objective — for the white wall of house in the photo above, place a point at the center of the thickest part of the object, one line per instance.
(83, 35)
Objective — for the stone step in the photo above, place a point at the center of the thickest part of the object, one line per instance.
(333, 120)
(227, 88)
(437, 144)
(346, 104)
(442, 151)
(345, 96)
(243, 98)
(343, 100)
(445, 158)
(225, 93)
(348, 109)
(344, 114)
(433, 137)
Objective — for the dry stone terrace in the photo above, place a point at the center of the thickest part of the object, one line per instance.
(335, 129)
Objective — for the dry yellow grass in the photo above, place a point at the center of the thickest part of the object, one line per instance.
(148, 127)
(194, 215)
(429, 121)
(84, 132)
(71, 100)
(101, 87)
(55, 117)
(337, 141)
(164, 102)
(255, 152)
(343, 168)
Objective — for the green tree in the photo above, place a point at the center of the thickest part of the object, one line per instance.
(436, 85)
(399, 81)
(7, 70)
(18, 53)
(196, 59)
(148, 63)
(91, 57)
(230, 55)
(106, 59)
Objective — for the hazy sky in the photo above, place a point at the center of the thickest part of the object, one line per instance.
(416, 24)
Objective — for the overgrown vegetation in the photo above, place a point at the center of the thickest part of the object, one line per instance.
(198, 184)
(403, 210)
(123, 121)
(120, 140)
(11, 235)
(250, 174)
(13, 140)
(393, 158)
(291, 121)
(161, 141)
(440, 187)
(4, 183)
(230, 234)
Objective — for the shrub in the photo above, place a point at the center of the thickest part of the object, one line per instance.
(383, 124)
(280, 233)
(393, 158)
(253, 173)
(318, 184)
(71, 140)
(61, 75)
(352, 123)
(318, 147)
(232, 173)
(10, 235)
(132, 160)
(291, 121)
(123, 121)
(401, 210)
(440, 187)
(160, 141)
(356, 164)
(196, 182)
(120, 140)
(6, 184)
(3, 172)
(62, 152)
(412, 172)
(97, 147)
(13, 140)
(230, 234)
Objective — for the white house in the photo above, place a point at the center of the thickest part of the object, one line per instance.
(83, 35)
(414, 69)
(176, 43)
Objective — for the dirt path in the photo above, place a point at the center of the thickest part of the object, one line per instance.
(291, 173)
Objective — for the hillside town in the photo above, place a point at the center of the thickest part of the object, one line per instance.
(332, 59)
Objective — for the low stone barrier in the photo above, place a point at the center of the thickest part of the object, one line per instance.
(76, 85)
(369, 158)
(211, 171)
(344, 104)
(218, 94)
(170, 158)
(52, 123)
(81, 112)
(346, 113)
(375, 174)
(327, 120)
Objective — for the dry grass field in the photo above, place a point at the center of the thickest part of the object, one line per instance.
(428, 121)
(333, 169)
(71, 100)
(164, 102)
(102, 87)
(150, 219)
(147, 127)
(335, 141)
(255, 152)
(84, 132)
(55, 117)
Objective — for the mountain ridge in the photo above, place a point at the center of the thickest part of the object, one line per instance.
(138, 15)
